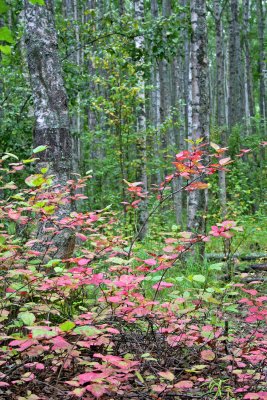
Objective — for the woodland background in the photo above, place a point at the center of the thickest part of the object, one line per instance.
(130, 69)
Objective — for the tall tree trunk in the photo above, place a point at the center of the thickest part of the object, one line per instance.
(142, 224)
(181, 100)
(262, 94)
(50, 103)
(72, 14)
(262, 67)
(198, 119)
(220, 97)
(155, 101)
(220, 71)
(236, 71)
(165, 92)
(250, 108)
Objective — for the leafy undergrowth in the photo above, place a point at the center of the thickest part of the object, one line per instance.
(104, 323)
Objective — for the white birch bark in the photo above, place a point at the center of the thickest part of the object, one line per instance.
(50, 105)
(198, 118)
(236, 71)
(220, 97)
(142, 224)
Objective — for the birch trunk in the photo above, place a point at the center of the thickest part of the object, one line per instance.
(236, 72)
(155, 101)
(250, 107)
(142, 224)
(220, 97)
(262, 66)
(72, 14)
(50, 104)
(198, 120)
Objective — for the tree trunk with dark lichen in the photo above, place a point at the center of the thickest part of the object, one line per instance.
(52, 126)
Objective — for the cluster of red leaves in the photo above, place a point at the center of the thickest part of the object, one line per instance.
(88, 327)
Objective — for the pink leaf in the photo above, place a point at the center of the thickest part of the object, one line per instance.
(224, 161)
(114, 299)
(252, 292)
(39, 366)
(162, 285)
(60, 343)
(158, 388)
(81, 236)
(251, 396)
(79, 392)
(3, 384)
(150, 261)
(13, 215)
(96, 389)
(184, 385)
(167, 375)
(92, 377)
(168, 249)
(207, 355)
(83, 261)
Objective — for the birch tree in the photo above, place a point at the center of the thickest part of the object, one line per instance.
(236, 71)
(141, 126)
(262, 64)
(50, 103)
(198, 118)
(220, 95)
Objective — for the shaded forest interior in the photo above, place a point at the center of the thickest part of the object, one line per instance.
(143, 78)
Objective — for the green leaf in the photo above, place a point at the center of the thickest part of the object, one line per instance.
(139, 376)
(35, 180)
(11, 155)
(39, 149)
(38, 2)
(30, 160)
(217, 266)
(117, 260)
(49, 209)
(53, 263)
(199, 278)
(87, 330)
(42, 333)
(5, 50)
(3, 7)
(44, 170)
(27, 318)
(67, 326)
(6, 35)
